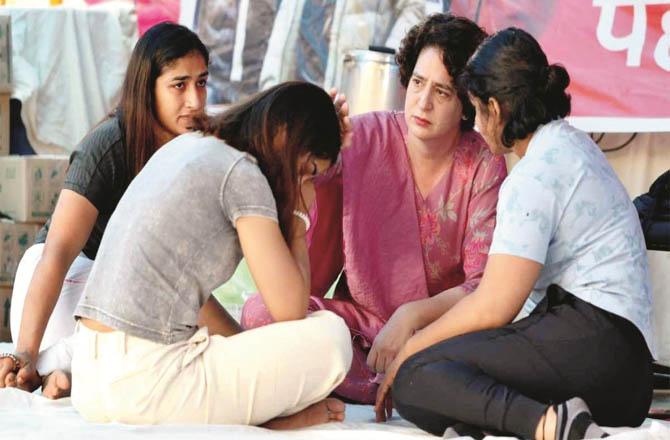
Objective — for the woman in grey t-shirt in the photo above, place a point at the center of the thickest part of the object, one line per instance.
(241, 188)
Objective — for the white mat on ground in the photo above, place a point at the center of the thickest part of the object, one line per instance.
(30, 416)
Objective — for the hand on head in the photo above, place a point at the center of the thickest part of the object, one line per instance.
(342, 108)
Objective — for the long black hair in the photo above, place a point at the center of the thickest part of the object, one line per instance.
(158, 48)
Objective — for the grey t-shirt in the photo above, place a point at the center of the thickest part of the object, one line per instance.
(172, 238)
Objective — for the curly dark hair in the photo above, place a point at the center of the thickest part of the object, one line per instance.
(511, 67)
(456, 37)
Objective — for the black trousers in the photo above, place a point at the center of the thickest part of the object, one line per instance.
(504, 379)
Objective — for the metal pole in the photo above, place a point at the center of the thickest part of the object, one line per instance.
(479, 8)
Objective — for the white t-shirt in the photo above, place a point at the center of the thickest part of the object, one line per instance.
(563, 206)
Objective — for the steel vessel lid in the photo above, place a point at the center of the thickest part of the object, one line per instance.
(362, 55)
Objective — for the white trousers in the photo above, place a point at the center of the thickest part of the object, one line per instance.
(247, 379)
(55, 349)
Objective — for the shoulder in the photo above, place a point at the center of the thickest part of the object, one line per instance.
(558, 150)
(373, 129)
(102, 149)
(376, 124)
(558, 136)
(528, 200)
(246, 166)
(245, 187)
(106, 136)
(104, 145)
(377, 118)
(217, 156)
(202, 149)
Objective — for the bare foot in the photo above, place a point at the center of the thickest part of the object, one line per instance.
(12, 381)
(57, 385)
(328, 410)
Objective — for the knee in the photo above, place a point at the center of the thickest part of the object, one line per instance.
(254, 313)
(333, 332)
(405, 385)
(417, 378)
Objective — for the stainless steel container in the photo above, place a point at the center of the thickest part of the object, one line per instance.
(371, 81)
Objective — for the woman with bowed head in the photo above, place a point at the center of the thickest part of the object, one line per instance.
(144, 351)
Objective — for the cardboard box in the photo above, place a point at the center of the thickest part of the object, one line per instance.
(5, 305)
(5, 53)
(15, 239)
(4, 124)
(30, 185)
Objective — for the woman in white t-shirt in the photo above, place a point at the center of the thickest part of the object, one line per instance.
(568, 243)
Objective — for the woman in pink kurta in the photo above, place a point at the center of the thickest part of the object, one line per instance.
(409, 242)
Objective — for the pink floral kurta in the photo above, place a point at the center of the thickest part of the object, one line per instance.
(462, 201)
(394, 245)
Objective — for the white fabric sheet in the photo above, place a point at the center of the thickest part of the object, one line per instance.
(68, 65)
(31, 416)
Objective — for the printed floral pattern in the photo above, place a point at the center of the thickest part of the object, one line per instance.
(457, 217)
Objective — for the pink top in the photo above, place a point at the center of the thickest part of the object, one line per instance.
(394, 245)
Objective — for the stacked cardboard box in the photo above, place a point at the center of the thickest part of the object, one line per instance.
(30, 185)
(15, 238)
(29, 190)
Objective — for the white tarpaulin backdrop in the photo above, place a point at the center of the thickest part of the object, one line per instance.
(68, 66)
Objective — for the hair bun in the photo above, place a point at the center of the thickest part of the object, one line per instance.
(557, 79)
(554, 92)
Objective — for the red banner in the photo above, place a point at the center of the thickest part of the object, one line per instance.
(151, 12)
(616, 51)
